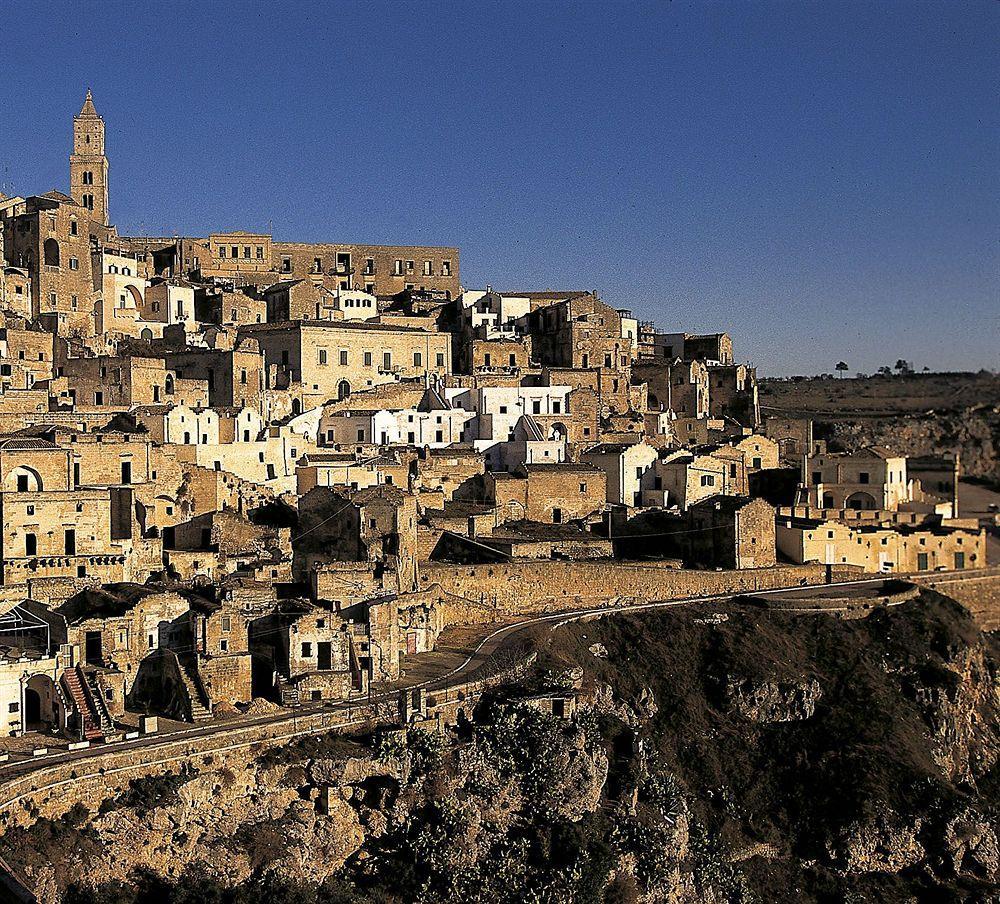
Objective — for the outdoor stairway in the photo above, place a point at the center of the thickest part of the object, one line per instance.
(90, 729)
(100, 707)
(199, 711)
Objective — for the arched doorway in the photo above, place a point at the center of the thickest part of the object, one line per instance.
(41, 706)
(343, 390)
(23, 479)
(146, 335)
(861, 502)
(557, 431)
(296, 407)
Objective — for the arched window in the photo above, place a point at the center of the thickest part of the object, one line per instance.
(343, 390)
(51, 251)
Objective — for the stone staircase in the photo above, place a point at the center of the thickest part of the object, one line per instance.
(199, 709)
(95, 691)
(73, 683)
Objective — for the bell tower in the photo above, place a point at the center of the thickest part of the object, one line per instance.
(88, 166)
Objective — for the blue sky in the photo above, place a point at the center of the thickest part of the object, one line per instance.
(820, 179)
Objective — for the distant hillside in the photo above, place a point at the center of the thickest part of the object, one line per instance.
(918, 414)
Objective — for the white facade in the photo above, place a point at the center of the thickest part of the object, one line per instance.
(499, 408)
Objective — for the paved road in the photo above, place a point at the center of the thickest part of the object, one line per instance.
(451, 678)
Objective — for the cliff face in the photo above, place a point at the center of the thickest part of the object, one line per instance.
(973, 433)
(751, 756)
(918, 414)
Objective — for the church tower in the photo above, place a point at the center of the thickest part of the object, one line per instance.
(88, 166)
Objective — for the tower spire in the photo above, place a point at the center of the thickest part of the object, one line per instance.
(88, 108)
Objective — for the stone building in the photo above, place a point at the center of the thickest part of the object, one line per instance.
(729, 532)
(551, 493)
(628, 466)
(323, 360)
(867, 479)
(883, 543)
(376, 525)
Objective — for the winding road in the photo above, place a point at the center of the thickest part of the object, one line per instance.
(320, 717)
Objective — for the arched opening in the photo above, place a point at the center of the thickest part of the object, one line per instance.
(136, 296)
(652, 402)
(558, 431)
(296, 406)
(169, 383)
(40, 704)
(146, 335)
(861, 502)
(828, 500)
(343, 390)
(51, 251)
(23, 479)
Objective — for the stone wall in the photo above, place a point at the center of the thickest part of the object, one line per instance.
(518, 588)
(979, 594)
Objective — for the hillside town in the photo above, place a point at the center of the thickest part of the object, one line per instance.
(235, 469)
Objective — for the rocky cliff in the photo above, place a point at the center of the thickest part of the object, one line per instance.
(751, 755)
(916, 414)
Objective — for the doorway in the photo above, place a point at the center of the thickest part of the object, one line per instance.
(93, 651)
(324, 656)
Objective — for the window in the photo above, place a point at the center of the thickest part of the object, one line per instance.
(921, 561)
(98, 398)
(227, 623)
(583, 488)
(959, 560)
(234, 251)
(708, 480)
(70, 542)
(246, 252)
(387, 360)
(440, 359)
(418, 359)
(756, 463)
(428, 268)
(409, 266)
(864, 477)
(73, 228)
(224, 646)
(30, 545)
(368, 359)
(322, 357)
(22, 483)
(397, 268)
(307, 650)
(817, 476)
(74, 263)
(30, 510)
(361, 436)
(222, 252)
(369, 266)
(343, 357)
(446, 268)
(317, 265)
(286, 265)
(260, 252)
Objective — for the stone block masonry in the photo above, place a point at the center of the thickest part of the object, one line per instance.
(524, 588)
